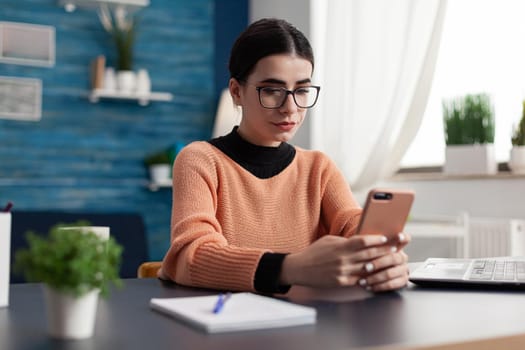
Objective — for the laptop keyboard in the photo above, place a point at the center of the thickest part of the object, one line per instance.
(498, 270)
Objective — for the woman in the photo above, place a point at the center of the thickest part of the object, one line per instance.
(252, 212)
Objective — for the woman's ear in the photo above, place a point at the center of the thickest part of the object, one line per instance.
(235, 91)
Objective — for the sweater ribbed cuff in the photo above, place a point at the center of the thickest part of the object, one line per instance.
(268, 273)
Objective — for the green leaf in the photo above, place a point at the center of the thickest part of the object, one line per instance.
(518, 136)
(468, 120)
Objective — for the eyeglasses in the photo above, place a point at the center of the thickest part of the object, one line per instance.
(274, 97)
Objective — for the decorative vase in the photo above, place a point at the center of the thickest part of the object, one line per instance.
(110, 81)
(126, 81)
(160, 173)
(517, 159)
(70, 317)
(143, 82)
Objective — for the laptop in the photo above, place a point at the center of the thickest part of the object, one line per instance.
(493, 273)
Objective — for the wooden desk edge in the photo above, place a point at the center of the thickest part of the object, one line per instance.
(511, 342)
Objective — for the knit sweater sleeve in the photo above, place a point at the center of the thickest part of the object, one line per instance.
(340, 211)
(199, 254)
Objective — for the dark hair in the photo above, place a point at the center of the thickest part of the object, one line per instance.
(265, 37)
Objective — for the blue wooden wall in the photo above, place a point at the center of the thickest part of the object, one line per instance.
(89, 157)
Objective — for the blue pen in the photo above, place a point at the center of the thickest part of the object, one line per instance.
(220, 302)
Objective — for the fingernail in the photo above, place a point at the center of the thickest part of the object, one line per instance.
(362, 282)
(369, 267)
(401, 237)
(393, 249)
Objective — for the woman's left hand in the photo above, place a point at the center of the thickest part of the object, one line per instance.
(388, 272)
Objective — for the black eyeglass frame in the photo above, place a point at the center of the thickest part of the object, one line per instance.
(288, 92)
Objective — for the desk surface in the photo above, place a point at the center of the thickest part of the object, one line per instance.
(346, 319)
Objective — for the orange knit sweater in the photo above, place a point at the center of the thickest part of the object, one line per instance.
(224, 218)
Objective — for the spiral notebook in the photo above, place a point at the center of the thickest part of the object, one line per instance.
(243, 311)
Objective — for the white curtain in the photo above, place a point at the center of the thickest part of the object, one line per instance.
(376, 64)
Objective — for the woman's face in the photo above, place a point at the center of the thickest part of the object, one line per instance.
(270, 127)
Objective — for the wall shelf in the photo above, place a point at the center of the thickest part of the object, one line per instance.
(72, 5)
(156, 185)
(143, 99)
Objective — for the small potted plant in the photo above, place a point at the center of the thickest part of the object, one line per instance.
(121, 25)
(517, 152)
(75, 266)
(469, 135)
(159, 165)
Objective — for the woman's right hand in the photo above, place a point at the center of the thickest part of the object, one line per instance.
(333, 261)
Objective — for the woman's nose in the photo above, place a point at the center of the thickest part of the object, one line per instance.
(289, 104)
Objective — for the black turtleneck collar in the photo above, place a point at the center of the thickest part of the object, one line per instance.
(263, 162)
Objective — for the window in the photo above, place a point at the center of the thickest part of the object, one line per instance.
(482, 50)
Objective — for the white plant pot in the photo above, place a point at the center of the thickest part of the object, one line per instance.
(517, 159)
(470, 159)
(70, 317)
(160, 173)
(110, 80)
(126, 81)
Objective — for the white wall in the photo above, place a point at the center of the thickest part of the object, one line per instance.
(296, 12)
(491, 197)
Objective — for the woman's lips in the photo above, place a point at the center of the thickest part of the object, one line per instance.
(285, 126)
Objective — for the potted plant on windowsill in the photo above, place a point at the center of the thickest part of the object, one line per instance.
(469, 135)
(517, 152)
(74, 266)
(159, 166)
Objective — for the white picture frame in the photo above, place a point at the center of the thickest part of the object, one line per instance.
(20, 98)
(27, 44)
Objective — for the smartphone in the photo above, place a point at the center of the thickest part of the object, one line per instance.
(386, 212)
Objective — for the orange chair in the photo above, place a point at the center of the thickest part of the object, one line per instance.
(148, 269)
